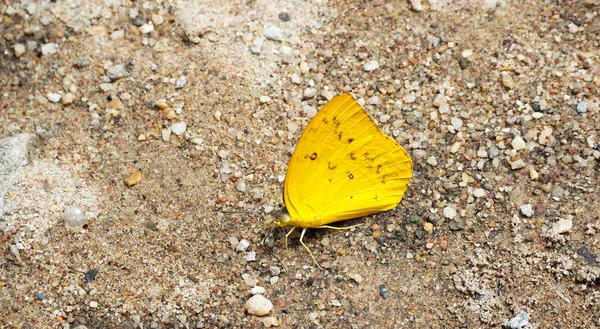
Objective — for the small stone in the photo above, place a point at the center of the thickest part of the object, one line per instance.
(117, 35)
(479, 193)
(251, 256)
(432, 161)
(146, 28)
(243, 245)
(258, 305)
(356, 277)
(309, 111)
(533, 174)
(181, 82)
(68, 99)
(284, 16)
(371, 66)
(49, 49)
(527, 210)
(373, 100)
(264, 99)
(416, 5)
(234, 242)
(558, 191)
(53, 97)
(81, 62)
(455, 147)
(582, 107)
(517, 164)
(518, 143)
(309, 93)
(178, 128)
(258, 290)
(408, 99)
(272, 32)
(256, 45)
(439, 100)
(19, 49)
(428, 227)
(116, 72)
(508, 81)
(383, 291)
(74, 217)
(93, 304)
(157, 19)
(456, 123)
(39, 296)
(91, 275)
(270, 321)
(587, 254)
(467, 53)
(134, 178)
(562, 226)
(519, 321)
(241, 185)
(449, 212)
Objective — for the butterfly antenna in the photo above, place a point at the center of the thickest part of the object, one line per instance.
(265, 243)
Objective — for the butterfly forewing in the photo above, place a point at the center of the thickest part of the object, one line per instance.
(344, 167)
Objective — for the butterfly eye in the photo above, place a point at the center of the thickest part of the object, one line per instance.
(284, 220)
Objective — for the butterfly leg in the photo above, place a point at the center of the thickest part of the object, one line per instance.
(307, 249)
(286, 238)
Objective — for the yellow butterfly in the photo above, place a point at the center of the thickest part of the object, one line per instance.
(343, 167)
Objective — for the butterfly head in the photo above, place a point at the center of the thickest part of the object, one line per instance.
(284, 218)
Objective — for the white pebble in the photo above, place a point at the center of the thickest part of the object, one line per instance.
(518, 143)
(93, 304)
(449, 212)
(270, 321)
(53, 97)
(251, 256)
(146, 28)
(178, 128)
(371, 66)
(49, 49)
(241, 185)
(479, 193)
(243, 245)
(432, 161)
(256, 45)
(19, 49)
(272, 32)
(309, 111)
(384, 118)
(296, 79)
(264, 99)
(181, 82)
(527, 210)
(74, 217)
(258, 290)
(258, 305)
(373, 100)
(562, 226)
(456, 123)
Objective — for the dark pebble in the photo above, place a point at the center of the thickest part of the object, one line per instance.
(39, 296)
(284, 17)
(414, 219)
(536, 107)
(463, 62)
(589, 257)
(138, 21)
(578, 23)
(383, 291)
(454, 226)
(151, 105)
(91, 275)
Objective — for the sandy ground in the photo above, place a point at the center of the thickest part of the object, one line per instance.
(497, 103)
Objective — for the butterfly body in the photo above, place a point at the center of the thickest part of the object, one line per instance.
(343, 167)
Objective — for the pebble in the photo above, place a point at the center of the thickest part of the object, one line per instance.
(241, 185)
(518, 143)
(19, 49)
(533, 174)
(81, 62)
(157, 19)
(258, 290)
(527, 210)
(416, 5)
(517, 164)
(371, 66)
(53, 97)
(519, 321)
(74, 217)
(134, 178)
(284, 16)
(587, 254)
(181, 82)
(479, 193)
(383, 291)
(116, 72)
(270, 321)
(91, 275)
(508, 81)
(234, 242)
(449, 212)
(49, 49)
(68, 99)
(456, 123)
(309, 93)
(558, 191)
(582, 107)
(409, 99)
(93, 304)
(251, 256)
(258, 305)
(373, 100)
(439, 100)
(432, 161)
(356, 277)
(428, 227)
(272, 32)
(256, 45)
(243, 245)
(309, 111)
(146, 28)
(562, 226)
(264, 99)
(39, 296)
(178, 128)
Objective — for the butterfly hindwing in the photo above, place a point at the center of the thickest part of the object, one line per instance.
(344, 167)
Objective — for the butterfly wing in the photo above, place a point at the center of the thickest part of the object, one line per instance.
(344, 167)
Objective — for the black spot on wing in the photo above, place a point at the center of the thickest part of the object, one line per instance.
(313, 156)
(331, 167)
(351, 155)
(350, 175)
(350, 140)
